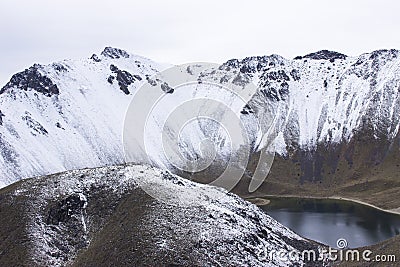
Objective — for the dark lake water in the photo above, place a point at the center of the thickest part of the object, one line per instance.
(327, 220)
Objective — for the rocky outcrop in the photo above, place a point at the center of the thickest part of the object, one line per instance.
(114, 53)
(323, 54)
(123, 78)
(32, 79)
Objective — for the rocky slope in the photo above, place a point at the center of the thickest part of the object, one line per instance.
(328, 106)
(102, 217)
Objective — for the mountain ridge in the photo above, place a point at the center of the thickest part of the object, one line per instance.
(319, 101)
(102, 216)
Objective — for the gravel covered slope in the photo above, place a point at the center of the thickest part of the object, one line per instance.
(102, 217)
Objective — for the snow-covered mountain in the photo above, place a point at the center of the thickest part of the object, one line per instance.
(329, 96)
(102, 217)
(70, 114)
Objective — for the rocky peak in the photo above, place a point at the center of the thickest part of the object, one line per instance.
(253, 64)
(323, 54)
(114, 53)
(32, 79)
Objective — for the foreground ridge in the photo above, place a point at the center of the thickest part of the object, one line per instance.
(102, 217)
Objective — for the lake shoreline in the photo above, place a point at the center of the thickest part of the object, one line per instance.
(327, 219)
(267, 201)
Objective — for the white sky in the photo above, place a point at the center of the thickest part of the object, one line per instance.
(44, 31)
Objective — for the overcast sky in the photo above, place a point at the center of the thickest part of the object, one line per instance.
(44, 31)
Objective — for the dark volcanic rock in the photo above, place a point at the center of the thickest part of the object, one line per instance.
(36, 127)
(59, 67)
(276, 75)
(66, 209)
(324, 54)
(295, 74)
(252, 64)
(110, 79)
(1, 117)
(247, 110)
(32, 79)
(123, 78)
(95, 58)
(114, 53)
(166, 88)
